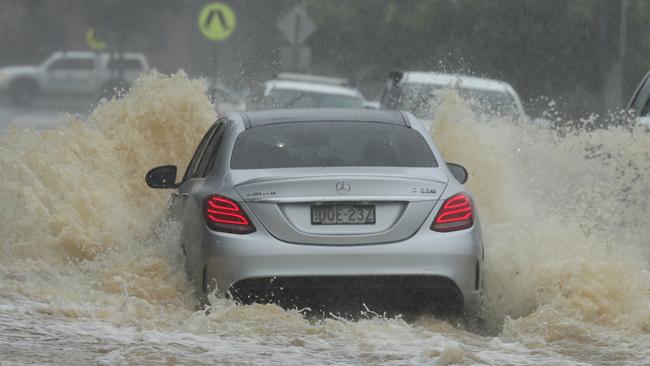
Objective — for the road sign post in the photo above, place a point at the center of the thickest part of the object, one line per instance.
(297, 26)
(216, 22)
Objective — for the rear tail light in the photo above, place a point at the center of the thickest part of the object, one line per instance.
(455, 214)
(225, 215)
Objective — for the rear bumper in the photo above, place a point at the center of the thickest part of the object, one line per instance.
(428, 261)
(391, 294)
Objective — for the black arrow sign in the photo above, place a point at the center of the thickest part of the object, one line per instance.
(220, 15)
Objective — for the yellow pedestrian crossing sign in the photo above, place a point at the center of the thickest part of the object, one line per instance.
(93, 42)
(217, 21)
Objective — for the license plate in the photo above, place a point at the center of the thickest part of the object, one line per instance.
(342, 214)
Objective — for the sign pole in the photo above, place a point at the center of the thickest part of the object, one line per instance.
(216, 22)
(294, 46)
(215, 65)
(296, 26)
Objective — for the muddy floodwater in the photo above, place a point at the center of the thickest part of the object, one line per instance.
(90, 274)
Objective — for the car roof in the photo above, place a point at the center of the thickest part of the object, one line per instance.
(276, 116)
(312, 87)
(463, 81)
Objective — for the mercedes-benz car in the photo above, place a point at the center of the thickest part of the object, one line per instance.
(327, 207)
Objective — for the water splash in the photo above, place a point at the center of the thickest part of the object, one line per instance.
(76, 218)
(84, 250)
(567, 247)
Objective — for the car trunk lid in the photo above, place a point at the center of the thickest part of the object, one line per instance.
(371, 207)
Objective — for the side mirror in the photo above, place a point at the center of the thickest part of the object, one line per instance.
(459, 172)
(162, 177)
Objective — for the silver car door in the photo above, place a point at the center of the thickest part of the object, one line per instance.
(180, 197)
(191, 201)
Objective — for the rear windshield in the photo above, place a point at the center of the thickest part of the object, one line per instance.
(330, 144)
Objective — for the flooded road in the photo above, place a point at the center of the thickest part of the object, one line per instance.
(90, 275)
(45, 112)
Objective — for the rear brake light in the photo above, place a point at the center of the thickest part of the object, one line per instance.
(455, 214)
(225, 215)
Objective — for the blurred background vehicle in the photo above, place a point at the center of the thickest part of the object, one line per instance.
(418, 92)
(293, 91)
(225, 99)
(72, 72)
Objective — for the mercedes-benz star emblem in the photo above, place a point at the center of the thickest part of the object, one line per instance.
(342, 187)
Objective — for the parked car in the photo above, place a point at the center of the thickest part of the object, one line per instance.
(327, 206)
(416, 92)
(293, 91)
(225, 100)
(640, 102)
(72, 72)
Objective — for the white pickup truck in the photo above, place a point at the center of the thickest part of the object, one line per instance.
(72, 72)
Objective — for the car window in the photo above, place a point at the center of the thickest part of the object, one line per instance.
(323, 144)
(211, 151)
(72, 64)
(126, 64)
(192, 167)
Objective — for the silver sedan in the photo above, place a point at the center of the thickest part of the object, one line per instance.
(324, 208)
